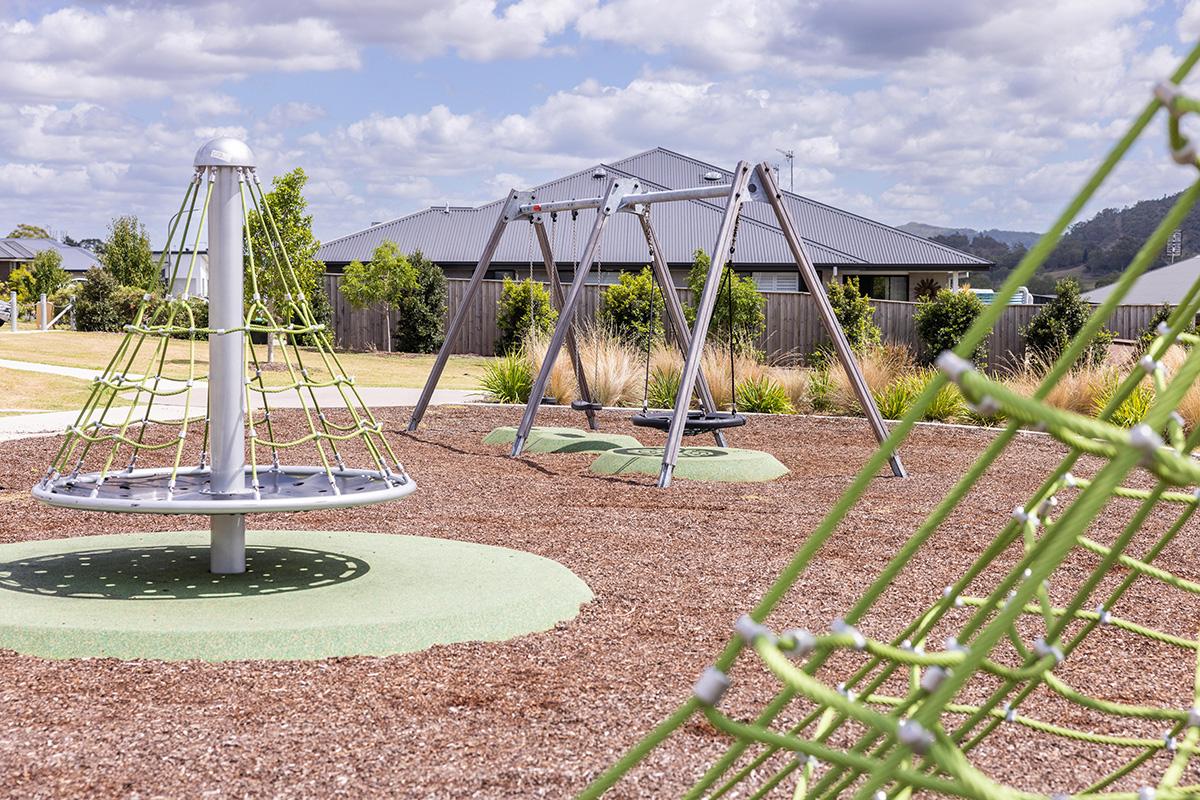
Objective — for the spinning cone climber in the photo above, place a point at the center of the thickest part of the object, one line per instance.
(142, 408)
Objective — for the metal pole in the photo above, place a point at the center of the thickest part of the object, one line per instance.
(812, 280)
(630, 200)
(507, 214)
(226, 160)
(704, 311)
(556, 293)
(43, 314)
(676, 317)
(12, 311)
(603, 213)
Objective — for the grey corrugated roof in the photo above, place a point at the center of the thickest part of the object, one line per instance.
(75, 259)
(1163, 285)
(833, 237)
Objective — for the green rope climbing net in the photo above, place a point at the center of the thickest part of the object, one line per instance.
(149, 404)
(876, 717)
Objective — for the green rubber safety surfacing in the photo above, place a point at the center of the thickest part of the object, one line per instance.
(731, 464)
(562, 440)
(305, 594)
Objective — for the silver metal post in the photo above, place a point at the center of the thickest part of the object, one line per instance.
(12, 311)
(507, 214)
(604, 212)
(771, 194)
(226, 160)
(43, 314)
(556, 293)
(704, 311)
(676, 317)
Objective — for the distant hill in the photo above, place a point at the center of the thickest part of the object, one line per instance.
(1010, 238)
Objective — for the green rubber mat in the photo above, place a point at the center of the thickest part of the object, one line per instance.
(729, 464)
(305, 594)
(563, 440)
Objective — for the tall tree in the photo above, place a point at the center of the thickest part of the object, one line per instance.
(127, 255)
(27, 231)
(287, 208)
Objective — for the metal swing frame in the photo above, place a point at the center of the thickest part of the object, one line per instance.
(623, 194)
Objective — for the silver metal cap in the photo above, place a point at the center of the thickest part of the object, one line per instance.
(224, 151)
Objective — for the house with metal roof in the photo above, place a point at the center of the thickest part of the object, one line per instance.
(20, 252)
(1167, 284)
(889, 263)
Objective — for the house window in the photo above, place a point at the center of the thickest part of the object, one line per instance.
(883, 287)
(777, 281)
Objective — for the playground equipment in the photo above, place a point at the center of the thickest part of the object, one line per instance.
(625, 195)
(873, 715)
(97, 466)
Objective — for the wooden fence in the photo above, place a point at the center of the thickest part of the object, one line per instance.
(793, 325)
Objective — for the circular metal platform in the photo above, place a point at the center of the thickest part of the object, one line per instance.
(147, 491)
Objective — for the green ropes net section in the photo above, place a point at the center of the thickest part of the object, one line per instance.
(141, 441)
(846, 712)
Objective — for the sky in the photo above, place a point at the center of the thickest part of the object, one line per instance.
(979, 113)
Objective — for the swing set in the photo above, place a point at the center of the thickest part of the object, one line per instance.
(624, 194)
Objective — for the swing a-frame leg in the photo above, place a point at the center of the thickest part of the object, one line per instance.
(617, 187)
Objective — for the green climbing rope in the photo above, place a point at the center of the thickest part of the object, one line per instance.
(877, 717)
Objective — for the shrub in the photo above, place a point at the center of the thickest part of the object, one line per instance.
(96, 306)
(1059, 321)
(763, 394)
(897, 397)
(748, 317)
(524, 306)
(508, 379)
(947, 405)
(1161, 315)
(797, 383)
(664, 386)
(625, 308)
(855, 313)
(942, 320)
(879, 364)
(421, 313)
(1133, 409)
(820, 390)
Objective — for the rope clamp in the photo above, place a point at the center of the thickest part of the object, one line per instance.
(710, 687)
(841, 627)
(750, 630)
(913, 735)
(803, 643)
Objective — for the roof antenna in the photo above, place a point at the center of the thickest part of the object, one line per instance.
(790, 155)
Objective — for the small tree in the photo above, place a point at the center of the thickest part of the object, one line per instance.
(625, 308)
(127, 255)
(1059, 321)
(523, 306)
(382, 282)
(96, 305)
(1150, 333)
(421, 313)
(27, 231)
(855, 313)
(43, 276)
(286, 206)
(942, 320)
(748, 318)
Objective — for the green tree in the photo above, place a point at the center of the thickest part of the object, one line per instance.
(749, 319)
(625, 307)
(27, 231)
(381, 282)
(96, 306)
(43, 276)
(421, 313)
(524, 306)
(1059, 321)
(1150, 332)
(855, 313)
(127, 255)
(942, 320)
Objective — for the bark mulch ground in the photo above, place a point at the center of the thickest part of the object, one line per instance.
(542, 714)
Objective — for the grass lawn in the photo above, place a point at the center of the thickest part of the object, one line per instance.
(33, 391)
(93, 351)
